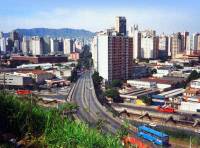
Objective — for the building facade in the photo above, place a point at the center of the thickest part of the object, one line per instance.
(136, 35)
(120, 25)
(114, 57)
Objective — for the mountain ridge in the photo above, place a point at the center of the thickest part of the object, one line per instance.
(62, 32)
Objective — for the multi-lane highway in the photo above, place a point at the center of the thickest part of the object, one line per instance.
(90, 110)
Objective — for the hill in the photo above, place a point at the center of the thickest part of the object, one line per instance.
(64, 32)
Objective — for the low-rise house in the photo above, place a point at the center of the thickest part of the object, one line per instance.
(9, 79)
(38, 75)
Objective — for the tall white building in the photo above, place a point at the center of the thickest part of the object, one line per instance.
(192, 43)
(68, 46)
(148, 44)
(54, 46)
(3, 44)
(36, 45)
(136, 35)
(94, 52)
(113, 56)
(26, 45)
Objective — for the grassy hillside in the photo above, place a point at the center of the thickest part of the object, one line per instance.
(46, 127)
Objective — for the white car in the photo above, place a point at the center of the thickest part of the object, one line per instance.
(152, 124)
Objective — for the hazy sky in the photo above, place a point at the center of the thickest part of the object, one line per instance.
(162, 15)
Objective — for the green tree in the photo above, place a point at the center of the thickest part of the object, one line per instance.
(193, 75)
(147, 100)
(117, 83)
(38, 68)
(97, 79)
(114, 94)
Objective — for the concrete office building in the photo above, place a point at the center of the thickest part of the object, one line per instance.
(68, 46)
(36, 45)
(120, 25)
(114, 56)
(149, 44)
(136, 35)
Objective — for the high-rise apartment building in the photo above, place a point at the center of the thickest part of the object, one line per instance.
(14, 35)
(68, 46)
(120, 25)
(149, 44)
(46, 45)
(54, 46)
(2, 44)
(184, 42)
(36, 45)
(176, 46)
(136, 35)
(26, 45)
(198, 42)
(163, 46)
(113, 56)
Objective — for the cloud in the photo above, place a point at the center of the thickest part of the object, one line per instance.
(98, 19)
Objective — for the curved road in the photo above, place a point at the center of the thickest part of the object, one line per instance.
(91, 111)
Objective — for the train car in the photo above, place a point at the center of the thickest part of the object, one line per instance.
(166, 109)
(23, 92)
(152, 135)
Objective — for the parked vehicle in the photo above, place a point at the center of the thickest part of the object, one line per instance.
(23, 92)
(166, 109)
(152, 135)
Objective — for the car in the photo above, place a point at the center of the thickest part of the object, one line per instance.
(152, 124)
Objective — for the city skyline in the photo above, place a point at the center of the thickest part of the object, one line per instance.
(173, 16)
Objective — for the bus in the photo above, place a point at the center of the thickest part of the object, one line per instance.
(152, 135)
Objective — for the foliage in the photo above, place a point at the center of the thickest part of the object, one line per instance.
(117, 83)
(147, 100)
(123, 131)
(193, 75)
(153, 71)
(38, 68)
(74, 75)
(114, 94)
(97, 79)
(21, 117)
(58, 64)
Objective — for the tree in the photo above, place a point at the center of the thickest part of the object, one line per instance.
(147, 100)
(114, 94)
(97, 79)
(193, 75)
(117, 83)
(153, 71)
(74, 76)
(38, 68)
